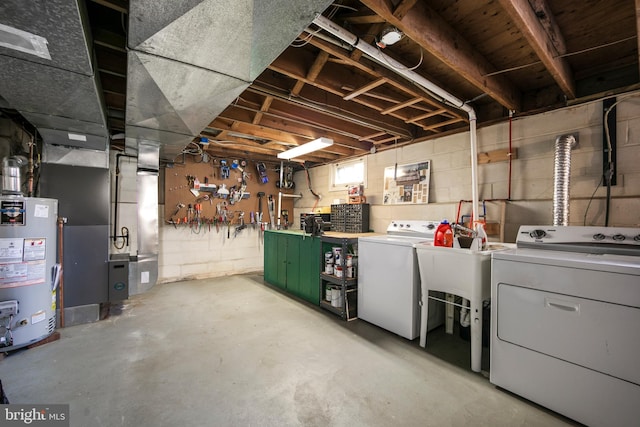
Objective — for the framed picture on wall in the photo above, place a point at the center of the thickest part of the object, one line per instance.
(407, 184)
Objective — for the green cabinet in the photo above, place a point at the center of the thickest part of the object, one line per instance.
(292, 262)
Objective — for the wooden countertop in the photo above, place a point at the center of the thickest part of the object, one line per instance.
(339, 235)
(333, 234)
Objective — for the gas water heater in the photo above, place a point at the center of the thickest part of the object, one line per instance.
(28, 271)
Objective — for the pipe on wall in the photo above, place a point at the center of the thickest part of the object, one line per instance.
(431, 88)
(561, 176)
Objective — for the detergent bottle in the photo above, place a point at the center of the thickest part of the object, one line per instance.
(444, 235)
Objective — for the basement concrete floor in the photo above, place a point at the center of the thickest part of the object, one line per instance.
(234, 351)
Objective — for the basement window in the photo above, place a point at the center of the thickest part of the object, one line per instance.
(344, 174)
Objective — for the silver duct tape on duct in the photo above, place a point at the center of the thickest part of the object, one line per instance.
(561, 177)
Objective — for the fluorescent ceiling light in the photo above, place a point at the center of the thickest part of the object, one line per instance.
(307, 148)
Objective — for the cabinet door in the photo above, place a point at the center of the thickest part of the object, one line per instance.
(280, 279)
(310, 261)
(270, 257)
(293, 264)
(275, 249)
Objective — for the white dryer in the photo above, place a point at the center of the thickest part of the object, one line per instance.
(565, 321)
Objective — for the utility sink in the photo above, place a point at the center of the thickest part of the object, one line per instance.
(457, 271)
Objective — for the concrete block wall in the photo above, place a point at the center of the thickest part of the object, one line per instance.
(127, 203)
(184, 253)
(532, 172)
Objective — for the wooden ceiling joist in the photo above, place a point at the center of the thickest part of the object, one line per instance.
(441, 124)
(424, 26)
(264, 107)
(377, 70)
(121, 6)
(425, 116)
(403, 7)
(364, 89)
(638, 29)
(313, 72)
(401, 105)
(372, 136)
(521, 12)
(384, 141)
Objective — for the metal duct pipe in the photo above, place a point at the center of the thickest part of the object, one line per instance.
(147, 177)
(433, 89)
(11, 175)
(561, 175)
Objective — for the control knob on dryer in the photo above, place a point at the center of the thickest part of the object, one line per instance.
(637, 238)
(538, 234)
(599, 236)
(618, 237)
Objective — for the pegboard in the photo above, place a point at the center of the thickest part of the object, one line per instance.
(181, 189)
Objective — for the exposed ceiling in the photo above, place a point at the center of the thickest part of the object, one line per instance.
(503, 55)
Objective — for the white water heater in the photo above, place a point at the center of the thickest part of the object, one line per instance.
(28, 269)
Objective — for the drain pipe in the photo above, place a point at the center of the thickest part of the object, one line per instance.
(561, 175)
(431, 88)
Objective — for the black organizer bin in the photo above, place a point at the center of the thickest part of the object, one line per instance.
(350, 218)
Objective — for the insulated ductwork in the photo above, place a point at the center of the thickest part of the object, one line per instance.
(561, 175)
(46, 63)
(189, 60)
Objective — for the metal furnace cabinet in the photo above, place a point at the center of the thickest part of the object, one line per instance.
(292, 262)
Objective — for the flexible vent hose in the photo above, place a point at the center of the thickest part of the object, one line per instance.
(561, 175)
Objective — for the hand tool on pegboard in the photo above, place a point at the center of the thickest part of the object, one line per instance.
(271, 204)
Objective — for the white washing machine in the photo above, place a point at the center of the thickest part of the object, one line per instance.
(565, 321)
(389, 279)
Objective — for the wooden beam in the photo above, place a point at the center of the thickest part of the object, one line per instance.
(363, 19)
(377, 70)
(638, 28)
(264, 107)
(371, 136)
(425, 27)
(404, 104)
(284, 65)
(111, 40)
(253, 130)
(121, 6)
(425, 116)
(365, 88)
(317, 65)
(528, 23)
(297, 87)
(313, 72)
(441, 124)
(403, 7)
(548, 22)
(384, 141)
